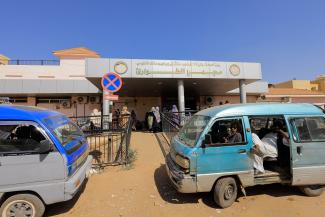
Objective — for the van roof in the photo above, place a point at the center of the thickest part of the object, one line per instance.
(16, 112)
(262, 109)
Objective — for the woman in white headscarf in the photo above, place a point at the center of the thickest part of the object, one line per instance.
(158, 119)
(151, 119)
(175, 114)
(157, 114)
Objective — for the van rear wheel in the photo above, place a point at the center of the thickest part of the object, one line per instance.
(22, 205)
(312, 190)
(225, 192)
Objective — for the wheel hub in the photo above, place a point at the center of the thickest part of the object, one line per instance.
(229, 192)
(20, 209)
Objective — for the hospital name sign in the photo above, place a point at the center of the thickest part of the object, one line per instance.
(150, 68)
(174, 68)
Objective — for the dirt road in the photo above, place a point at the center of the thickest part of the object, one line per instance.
(144, 191)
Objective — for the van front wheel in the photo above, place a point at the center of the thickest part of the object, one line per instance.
(22, 205)
(312, 190)
(225, 192)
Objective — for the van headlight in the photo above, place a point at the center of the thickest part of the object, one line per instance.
(182, 162)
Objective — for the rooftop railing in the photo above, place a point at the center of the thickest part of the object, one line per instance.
(34, 62)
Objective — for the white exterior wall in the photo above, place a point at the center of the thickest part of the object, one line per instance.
(66, 78)
(68, 69)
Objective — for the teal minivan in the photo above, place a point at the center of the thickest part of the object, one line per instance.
(214, 151)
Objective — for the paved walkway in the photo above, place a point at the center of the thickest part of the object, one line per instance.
(144, 191)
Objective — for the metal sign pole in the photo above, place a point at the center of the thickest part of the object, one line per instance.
(111, 83)
(106, 111)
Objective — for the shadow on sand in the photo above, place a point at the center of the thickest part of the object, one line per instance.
(64, 207)
(170, 195)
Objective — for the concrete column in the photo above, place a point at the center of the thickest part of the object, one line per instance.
(181, 101)
(181, 97)
(106, 112)
(242, 91)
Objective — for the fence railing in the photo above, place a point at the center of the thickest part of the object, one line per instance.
(173, 121)
(108, 145)
(179, 118)
(34, 62)
(100, 123)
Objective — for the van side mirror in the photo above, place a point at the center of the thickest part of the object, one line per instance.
(45, 147)
(207, 140)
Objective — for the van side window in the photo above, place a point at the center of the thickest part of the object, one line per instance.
(262, 125)
(310, 129)
(227, 132)
(19, 139)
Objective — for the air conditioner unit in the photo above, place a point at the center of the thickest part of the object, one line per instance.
(208, 100)
(286, 99)
(94, 99)
(82, 99)
(66, 103)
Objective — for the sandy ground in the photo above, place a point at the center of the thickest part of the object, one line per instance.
(144, 191)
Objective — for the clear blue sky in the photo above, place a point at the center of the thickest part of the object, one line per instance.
(286, 36)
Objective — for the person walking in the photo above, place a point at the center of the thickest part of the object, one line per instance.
(151, 119)
(157, 127)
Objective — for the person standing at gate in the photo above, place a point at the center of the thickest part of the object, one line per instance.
(158, 120)
(175, 114)
(151, 119)
(95, 119)
(133, 120)
(125, 116)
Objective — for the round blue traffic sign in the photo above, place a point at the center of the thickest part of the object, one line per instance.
(111, 82)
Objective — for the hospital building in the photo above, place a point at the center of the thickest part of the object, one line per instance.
(71, 82)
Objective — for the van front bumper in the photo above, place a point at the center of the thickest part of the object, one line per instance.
(72, 185)
(182, 182)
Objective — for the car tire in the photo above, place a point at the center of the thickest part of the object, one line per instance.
(225, 192)
(22, 204)
(312, 190)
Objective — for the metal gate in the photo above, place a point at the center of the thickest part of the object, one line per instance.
(107, 146)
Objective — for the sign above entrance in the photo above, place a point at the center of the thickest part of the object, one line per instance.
(149, 68)
(111, 82)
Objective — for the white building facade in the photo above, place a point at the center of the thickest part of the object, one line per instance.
(72, 84)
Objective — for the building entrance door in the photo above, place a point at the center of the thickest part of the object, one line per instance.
(167, 103)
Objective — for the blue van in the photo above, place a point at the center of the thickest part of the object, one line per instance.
(43, 160)
(214, 151)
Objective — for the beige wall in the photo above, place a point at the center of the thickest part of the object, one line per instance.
(75, 109)
(140, 105)
(297, 84)
(3, 60)
(321, 83)
(302, 99)
(218, 99)
(301, 84)
(287, 84)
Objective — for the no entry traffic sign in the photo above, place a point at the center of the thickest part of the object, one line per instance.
(111, 82)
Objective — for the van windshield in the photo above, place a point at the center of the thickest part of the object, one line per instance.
(63, 129)
(192, 130)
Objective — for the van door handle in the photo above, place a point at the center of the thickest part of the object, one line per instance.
(299, 150)
(242, 151)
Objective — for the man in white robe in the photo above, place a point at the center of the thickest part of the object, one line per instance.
(267, 147)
